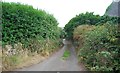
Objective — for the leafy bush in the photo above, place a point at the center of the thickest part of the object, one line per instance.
(79, 34)
(87, 18)
(28, 31)
(23, 22)
(100, 50)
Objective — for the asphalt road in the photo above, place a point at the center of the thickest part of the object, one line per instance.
(56, 63)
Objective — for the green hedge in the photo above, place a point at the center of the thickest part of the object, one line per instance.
(101, 49)
(98, 43)
(87, 18)
(23, 22)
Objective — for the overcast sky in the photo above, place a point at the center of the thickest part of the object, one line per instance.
(64, 10)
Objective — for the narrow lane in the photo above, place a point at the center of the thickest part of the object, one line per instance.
(56, 63)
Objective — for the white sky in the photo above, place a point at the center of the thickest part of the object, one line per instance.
(64, 10)
(116, 0)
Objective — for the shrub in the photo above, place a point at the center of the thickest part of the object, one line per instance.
(79, 34)
(23, 22)
(29, 31)
(100, 50)
(87, 18)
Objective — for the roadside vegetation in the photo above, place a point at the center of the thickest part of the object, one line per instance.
(27, 34)
(0, 57)
(97, 41)
(31, 35)
(66, 54)
(87, 18)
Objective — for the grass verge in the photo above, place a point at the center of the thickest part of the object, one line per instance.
(66, 54)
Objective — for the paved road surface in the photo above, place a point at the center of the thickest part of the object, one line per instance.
(56, 63)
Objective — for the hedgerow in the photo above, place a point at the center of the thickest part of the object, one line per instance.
(97, 40)
(28, 32)
(98, 46)
(23, 22)
(87, 18)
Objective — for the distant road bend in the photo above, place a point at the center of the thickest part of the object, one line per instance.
(55, 62)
